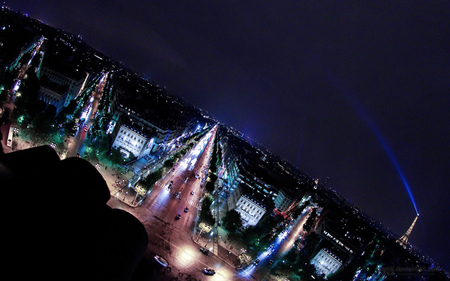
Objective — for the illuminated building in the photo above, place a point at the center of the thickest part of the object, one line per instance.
(248, 204)
(284, 201)
(326, 262)
(58, 88)
(130, 140)
(403, 240)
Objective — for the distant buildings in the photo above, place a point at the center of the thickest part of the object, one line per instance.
(134, 134)
(141, 119)
(253, 174)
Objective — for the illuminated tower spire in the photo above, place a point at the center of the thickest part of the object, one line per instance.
(403, 240)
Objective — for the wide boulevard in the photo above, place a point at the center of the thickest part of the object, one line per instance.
(170, 237)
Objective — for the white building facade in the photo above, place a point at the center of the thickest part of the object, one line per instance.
(251, 212)
(130, 140)
(250, 209)
(326, 262)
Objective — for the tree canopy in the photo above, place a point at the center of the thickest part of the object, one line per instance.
(232, 221)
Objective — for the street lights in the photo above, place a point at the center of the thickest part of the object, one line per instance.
(204, 227)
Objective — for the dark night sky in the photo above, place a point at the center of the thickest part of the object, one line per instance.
(322, 84)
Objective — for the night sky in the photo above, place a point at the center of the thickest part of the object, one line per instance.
(351, 91)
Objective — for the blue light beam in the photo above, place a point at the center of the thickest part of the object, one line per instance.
(377, 134)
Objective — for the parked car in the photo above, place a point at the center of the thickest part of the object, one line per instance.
(178, 217)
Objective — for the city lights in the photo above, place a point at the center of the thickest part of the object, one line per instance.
(207, 196)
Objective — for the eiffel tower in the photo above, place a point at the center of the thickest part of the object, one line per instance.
(403, 240)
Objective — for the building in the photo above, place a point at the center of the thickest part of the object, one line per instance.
(340, 233)
(58, 88)
(249, 204)
(130, 140)
(326, 262)
(264, 173)
(285, 202)
(53, 94)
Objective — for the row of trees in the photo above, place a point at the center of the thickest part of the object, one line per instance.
(152, 178)
(205, 212)
(296, 262)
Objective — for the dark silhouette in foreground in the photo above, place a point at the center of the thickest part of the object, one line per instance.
(56, 224)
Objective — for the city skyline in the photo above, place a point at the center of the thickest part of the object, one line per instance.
(403, 211)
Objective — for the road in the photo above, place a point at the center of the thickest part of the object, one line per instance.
(76, 143)
(9, 106)
(169, 237)
(278, 249)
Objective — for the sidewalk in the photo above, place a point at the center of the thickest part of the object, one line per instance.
(226, 254)
(228, 251)
(121, 192)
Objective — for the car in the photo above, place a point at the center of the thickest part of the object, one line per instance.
(178, 194)
(205, 251)
(186, 209)
(209, 271)
(271, 262)
(256, 262)
(192, 192)
(161, 261)
(178, 217)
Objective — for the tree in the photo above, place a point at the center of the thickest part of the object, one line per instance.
(205, 212)
(91, 156)
(306, 271)
(3, 95)
(310, 221)
(151, 179)
(69, 127)
(116, 156)
(311, 247)
(232, 221)
(169, 163)
(211, 183)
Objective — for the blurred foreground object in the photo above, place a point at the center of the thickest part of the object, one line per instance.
(57, 223)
